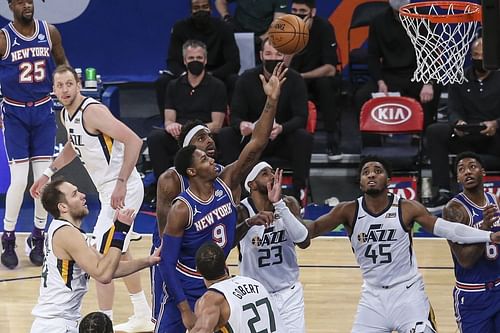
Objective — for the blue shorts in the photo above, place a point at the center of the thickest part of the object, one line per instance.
(477, 311)
(29, 131)
(169, 317)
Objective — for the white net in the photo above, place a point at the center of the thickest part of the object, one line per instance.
(440, 45)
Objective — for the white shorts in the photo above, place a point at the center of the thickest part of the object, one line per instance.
(290, 303)
(403, 308)
(55, 325)
(105, 220)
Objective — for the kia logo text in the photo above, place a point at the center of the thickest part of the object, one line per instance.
(391, 114)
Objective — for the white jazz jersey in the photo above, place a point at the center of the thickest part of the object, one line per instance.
(382, 246)
(268, 254)
(101, 155)
(63, 283)
(252, 309)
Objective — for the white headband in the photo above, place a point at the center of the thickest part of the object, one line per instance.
(192, 132)
(255, 171)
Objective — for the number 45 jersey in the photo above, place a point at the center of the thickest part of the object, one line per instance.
(382, 246)
(252, 309)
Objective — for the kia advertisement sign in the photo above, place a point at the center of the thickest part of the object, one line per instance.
(392, 114)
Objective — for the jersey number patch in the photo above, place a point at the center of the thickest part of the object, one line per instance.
(272, 256)
(32, 71)
(491, 251)
(219, 235)
(256, 318)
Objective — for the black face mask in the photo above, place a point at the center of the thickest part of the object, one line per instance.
(195, 67)
(302, 16)
(477, 64)
(269, 65)
(201, 19)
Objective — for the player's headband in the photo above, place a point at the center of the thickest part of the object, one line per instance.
(192, 132)
(255, 171)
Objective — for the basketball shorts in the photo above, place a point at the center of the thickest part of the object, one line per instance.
(290, 303)
(477, 311)
(54, 325)
(403, 308)
(169, 317)
(105, 220)
(29, 131)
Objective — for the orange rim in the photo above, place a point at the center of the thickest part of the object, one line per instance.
(474, 8)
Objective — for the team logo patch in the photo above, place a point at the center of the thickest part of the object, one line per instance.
(41, 37)
(256, 241)
(390, 215)
(219, 193)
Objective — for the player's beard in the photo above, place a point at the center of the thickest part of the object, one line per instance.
(80, 214)
(374, 191)
(262, 189)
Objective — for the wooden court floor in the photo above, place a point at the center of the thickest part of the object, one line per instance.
(331, 278)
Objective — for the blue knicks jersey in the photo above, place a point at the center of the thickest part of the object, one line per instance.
(487, 267)
(212, 220)
(24, 68)
(184, 183)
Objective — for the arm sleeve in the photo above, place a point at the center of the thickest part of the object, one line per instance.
(460, 233)
(175, 63)
(329, 45)
(297, 231)
(231, 54)
(169, 255)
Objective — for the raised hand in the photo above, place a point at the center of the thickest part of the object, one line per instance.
(490, 216)
(272, 87)
(274, 189)
(262, 218)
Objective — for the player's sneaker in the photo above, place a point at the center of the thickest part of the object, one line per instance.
(136, 324)
(9, 256)
(34, 249)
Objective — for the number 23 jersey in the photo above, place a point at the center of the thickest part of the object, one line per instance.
(382, 246)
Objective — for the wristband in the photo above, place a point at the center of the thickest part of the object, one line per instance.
(119, 235)
(49, 172)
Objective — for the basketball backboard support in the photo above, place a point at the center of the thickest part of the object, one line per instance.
(491, 34)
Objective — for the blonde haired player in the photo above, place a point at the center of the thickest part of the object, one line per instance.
(108, 150)
(268, 252)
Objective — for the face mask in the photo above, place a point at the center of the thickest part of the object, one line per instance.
(201, 18)
(302, 16)
(477, 64)
(396, 4)
(269, 65)
(195, 67)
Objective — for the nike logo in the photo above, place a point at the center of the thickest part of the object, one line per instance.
(283, 6)
(409, 286)
(360, 217)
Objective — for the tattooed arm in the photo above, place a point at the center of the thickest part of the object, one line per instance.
(467, 254)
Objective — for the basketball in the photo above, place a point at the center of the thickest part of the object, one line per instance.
(288, 34)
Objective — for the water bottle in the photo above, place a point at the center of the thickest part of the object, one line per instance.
(426, 190)
(99, 82)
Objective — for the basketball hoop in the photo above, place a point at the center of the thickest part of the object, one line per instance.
(441, 32)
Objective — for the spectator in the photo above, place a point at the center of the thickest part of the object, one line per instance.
(473, 102)
(195, 95)
(291, 116)
(252, 16)
(392, 61)
(223, 60)
(316, 64)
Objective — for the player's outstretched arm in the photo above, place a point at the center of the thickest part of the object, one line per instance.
(68, 242)
(341, 214)
(67, 155)
(131, 266)
(233, 173)
(467, 254)
(208, 312)
(455, 232)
